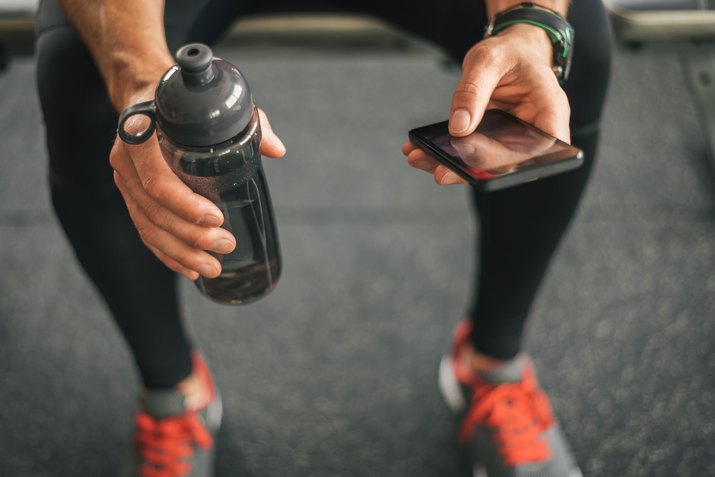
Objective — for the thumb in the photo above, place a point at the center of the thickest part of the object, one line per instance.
(471, 97)
(271, 145)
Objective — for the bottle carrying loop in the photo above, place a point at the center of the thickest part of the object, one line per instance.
(148, 109)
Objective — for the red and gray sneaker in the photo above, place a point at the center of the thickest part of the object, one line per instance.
(507, 423)
(173, 440)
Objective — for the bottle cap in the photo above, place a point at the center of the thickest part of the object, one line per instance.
(202, 100)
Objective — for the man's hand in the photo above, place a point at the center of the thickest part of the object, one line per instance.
(128, 43)
(178, 225)
(510, 71)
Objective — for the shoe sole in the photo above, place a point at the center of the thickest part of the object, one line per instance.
(482, 472)
(449, 387)
(214, 413)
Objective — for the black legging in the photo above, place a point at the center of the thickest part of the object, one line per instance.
(520, 227)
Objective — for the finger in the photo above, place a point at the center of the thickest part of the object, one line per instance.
(554, 119)
(173, 264)
(444, 176)
(188, 258)
(170, 263)
(408, 147)
(157, 213)
(271, 145)
(155, 238)
(421, 160)
(478, 150)
(204, 238)
(143, 166)
(481, 72)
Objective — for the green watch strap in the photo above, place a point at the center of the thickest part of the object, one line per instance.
(559, 31)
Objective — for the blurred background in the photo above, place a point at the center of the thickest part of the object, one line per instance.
(335, 373)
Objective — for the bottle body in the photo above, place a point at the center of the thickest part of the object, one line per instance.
(231, 175)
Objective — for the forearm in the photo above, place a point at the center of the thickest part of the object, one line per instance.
(127, 41)
(496, 6)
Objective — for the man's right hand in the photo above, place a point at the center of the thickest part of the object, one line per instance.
(176, 224)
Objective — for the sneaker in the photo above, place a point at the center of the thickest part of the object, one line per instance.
(506, 420)
(172, 440)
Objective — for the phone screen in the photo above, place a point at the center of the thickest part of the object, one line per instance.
(502, 152)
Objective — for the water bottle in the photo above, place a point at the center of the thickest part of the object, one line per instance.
(209, 133)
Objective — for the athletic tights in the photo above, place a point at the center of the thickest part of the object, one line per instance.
(519, 228)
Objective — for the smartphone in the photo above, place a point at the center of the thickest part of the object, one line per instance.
(504, 151)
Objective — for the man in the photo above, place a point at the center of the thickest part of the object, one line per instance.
(96, 58)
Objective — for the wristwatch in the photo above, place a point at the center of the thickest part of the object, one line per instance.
(560, 31)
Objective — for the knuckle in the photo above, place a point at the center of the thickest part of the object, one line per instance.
(469, 89)
(146, 234)
(482, 54)
(187, 259)
(118, 181)
(115, 158)
(419, 162)
(154, 212)
(121, 185)
(152, 185)
(412, 158)
(198, 240)
(157, 215)
(561, 104)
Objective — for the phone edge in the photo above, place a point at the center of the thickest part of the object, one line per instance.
(446, 161)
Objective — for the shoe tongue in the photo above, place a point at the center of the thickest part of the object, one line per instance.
(510, 372)
(163, 404)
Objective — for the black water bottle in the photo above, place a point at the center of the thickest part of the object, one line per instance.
(209, 133)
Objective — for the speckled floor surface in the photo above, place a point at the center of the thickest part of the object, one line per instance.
(335, 373)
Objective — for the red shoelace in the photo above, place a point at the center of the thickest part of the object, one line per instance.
(166, 444)
(519, 413)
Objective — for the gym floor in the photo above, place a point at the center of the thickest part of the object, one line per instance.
(334, 374)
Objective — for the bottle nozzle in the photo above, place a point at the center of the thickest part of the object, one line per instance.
(196, 63)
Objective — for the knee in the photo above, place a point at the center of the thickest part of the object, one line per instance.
(65, 72)
(79, 119)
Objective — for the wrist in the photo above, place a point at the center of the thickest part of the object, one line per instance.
(531, 39)
(557, 29)
(134, 79)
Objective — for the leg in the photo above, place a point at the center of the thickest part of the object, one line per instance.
(80, 126)
(179, 397)
(507, 421)
(522, 227)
